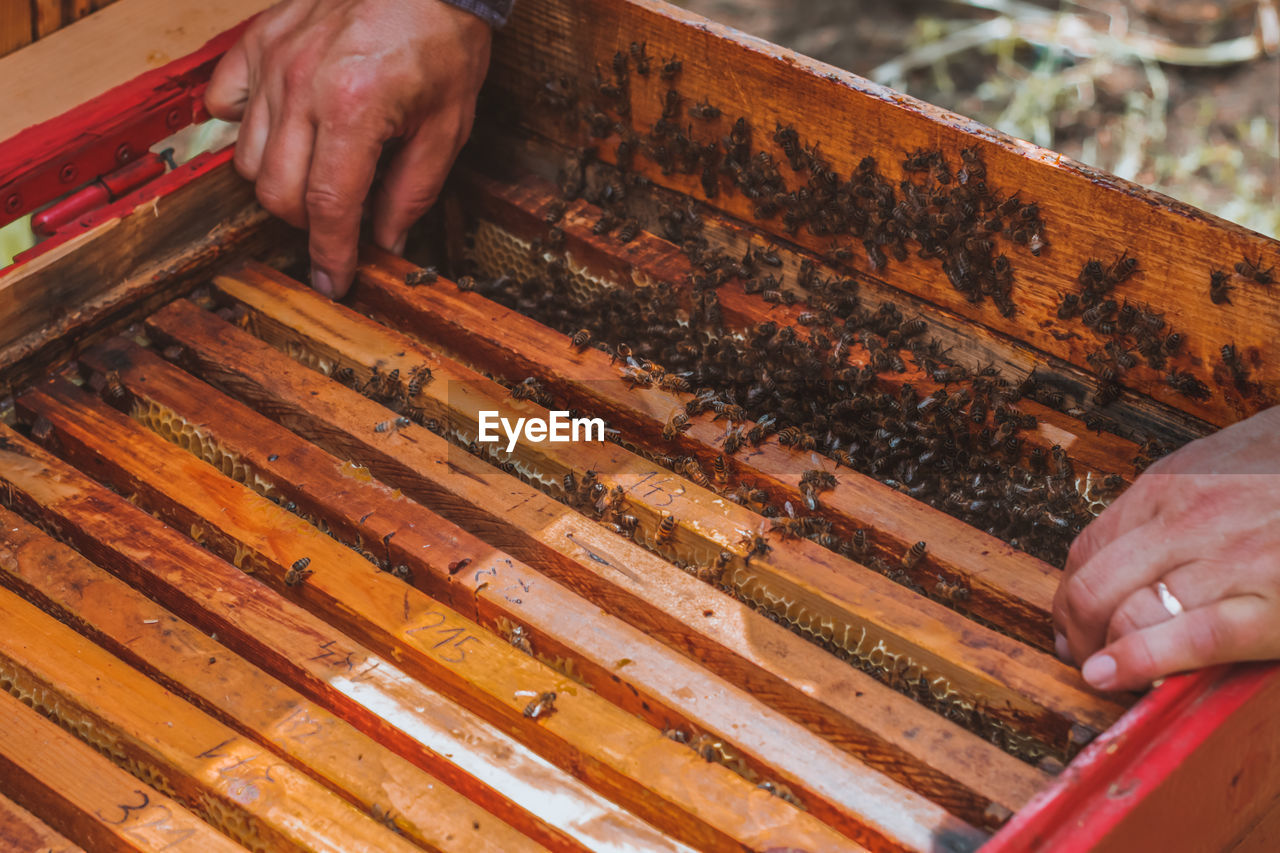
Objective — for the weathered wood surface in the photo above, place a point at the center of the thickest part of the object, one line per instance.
(839, 702)
(1088, 214)
(89, 799)
(338, 673)
(230, 688)
(542, 617)
(122, 269)
(23, 832)
(1028, 689)
(1006, 587)
(656, 778)
(520, 207)
(232, 782)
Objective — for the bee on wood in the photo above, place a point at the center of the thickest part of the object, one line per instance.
(627, 525)
(345, 375)
(425, 275)
(1231, 358)
(466, 283)
(951, 593)
(401, 571)
(392, 425)
(666, 529)
(570, 484)
(732, 441)
(580, 339)
(629, 231)
(1250, 268)
(670, 68)
(677, 422)
(704, 111)
(757, 545)
(529, 389)
(555, 211)
(298, 572)
(542, 707)
(694, 472)
(1219, 289)
(418, 377)
(674, 382)
(637, 377)
(720, 469)
(802, 527)
(113, 390)
(640, 58)
(1187, 385)
(914, 555)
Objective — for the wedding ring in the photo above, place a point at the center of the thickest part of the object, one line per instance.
(1168, 599)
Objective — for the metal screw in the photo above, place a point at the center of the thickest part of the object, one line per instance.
(13, 203)
(123, 154)
(68, 173)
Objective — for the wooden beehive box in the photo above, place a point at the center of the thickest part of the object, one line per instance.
(253, 552)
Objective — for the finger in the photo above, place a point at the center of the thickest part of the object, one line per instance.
(342, 170)
(1085, 601)
(1135, 507)
(1142, 609)
(412, 182)
(252, 140)
(1234, 629)
(228, 91)
(282, 174)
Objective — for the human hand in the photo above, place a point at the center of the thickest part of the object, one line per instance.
(1205, 521)
(322, 86)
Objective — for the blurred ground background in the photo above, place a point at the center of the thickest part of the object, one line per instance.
(1182, 96)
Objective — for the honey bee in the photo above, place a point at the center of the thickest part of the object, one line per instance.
(914, 555)
(629, 231)
(694, 472)
(1219, 289)
(580, 339)
(677, 422)
(392, 425)
(418, 377)
(298, 572)
(674, 382)
(732, 441)
(570, 484)
(113, 390)
(666, 529)
(640, 58)
(541, 707)
(424, 275)
(721, 469)
(1250, 268)
(951, 593)
(465, 283)
(1187, 385)
(670, 68)
(704, 111)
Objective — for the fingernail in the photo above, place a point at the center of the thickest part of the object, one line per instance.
(1061, 648)
(322, 281)
(1100, 671)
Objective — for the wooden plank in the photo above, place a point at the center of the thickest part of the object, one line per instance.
(243, 791)
(966, 665)
(15, 27)
(100, 281)
(89, 799)
(225, 685)
(106, 49)
(341, 675)
(658, 779)
(841, 703)
(655, 683)
(1088, 214)
(521, 207)
(1004, 586)
(23, 832)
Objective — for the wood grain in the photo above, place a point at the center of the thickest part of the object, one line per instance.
(656, 684)
(155, 641)
(840, 703)
(89, 799)
(23, 832)
(1030, 691)
(333, 670)
(656, 778)
(233, 784)
(1089, 214)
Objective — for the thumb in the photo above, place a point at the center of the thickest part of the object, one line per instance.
(228, 90)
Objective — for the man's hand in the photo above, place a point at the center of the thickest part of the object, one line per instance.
(321, 86)
(1205, 522)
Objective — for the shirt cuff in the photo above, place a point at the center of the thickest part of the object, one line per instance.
(492, 12)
